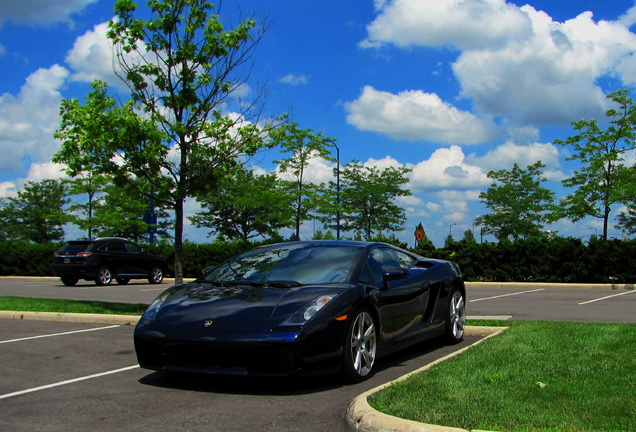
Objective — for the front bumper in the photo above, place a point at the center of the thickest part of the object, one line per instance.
(258, 354)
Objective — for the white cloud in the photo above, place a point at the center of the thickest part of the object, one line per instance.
(416, 115)
(318, 171)
(447, 168)
(551, 77)
(382, 164)
(37, 172)
(517, 62)
(8, 189)
(295, 80)
(93, 57)
(41, 12)
(462, 24)
(28, 121)
(46, 170)
(506, 155)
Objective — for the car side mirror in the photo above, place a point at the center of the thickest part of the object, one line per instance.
(207, 270)
(394, 273)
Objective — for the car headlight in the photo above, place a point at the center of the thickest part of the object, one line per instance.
(151, 313)
(304, 314)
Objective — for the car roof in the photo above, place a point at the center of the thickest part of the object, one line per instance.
(345, 243)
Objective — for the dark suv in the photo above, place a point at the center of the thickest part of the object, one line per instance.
(105, 259)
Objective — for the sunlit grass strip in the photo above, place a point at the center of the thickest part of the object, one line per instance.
(29, 304)
(535, 376)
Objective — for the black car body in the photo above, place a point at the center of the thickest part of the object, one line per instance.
(104, 259)
(302, 307)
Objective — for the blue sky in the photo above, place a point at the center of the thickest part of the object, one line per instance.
(451, 89)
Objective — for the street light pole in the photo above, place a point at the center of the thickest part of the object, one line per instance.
(450, 229)
(337, 190)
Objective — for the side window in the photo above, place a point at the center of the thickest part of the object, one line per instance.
(382, 259)
(406, 261)
(115, 246)
(133, 248)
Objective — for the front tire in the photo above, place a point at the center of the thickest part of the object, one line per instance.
(156, 275)
(68, 281)
(360, 347)
(104, 276)
(455, 316)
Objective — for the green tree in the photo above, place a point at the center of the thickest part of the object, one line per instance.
(36, 214)
(122, 209)
(368, 199)
(627, 218)
(627, 221)
(85, 131)
(303, 145)
(246, 206)
(87, 185)
(184, 69)
(603, 178)
(519, 204)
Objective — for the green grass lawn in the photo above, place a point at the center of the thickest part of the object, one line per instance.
(536, 376)
(28, 304)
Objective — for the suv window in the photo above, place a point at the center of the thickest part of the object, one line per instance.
(113, 246)
(132, 248)
(74, 248)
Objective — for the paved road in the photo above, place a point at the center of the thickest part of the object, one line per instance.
(598, 303)
(96, 385)
(60, 376)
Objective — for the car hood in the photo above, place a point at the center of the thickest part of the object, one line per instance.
(235, 308)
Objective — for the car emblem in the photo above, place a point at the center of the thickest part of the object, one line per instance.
(208, 323)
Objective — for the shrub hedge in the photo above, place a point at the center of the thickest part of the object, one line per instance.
(528, 260)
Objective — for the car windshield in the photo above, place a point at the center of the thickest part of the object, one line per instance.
(294, 263)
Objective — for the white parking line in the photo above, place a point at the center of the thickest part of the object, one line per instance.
(71, 381)
(94, 287)
(504, 295)
(59, 334)
(607, 297)
(489, 317)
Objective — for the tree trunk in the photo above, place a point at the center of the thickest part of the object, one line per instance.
(605, 221)
(178, 241)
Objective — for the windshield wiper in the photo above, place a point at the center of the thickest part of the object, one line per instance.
(244, 282)
(273, 283)
(283, 283)
(209, 282)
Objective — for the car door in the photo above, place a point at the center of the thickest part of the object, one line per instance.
(138, 264)
(403, 299)
(114, 256)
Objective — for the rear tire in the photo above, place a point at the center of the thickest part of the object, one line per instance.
(104, 276)
(68, 281)
(156, 275)
(455, 316)
(360, 346)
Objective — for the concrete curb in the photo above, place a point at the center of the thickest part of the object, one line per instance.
(361, 417)
(72, 317)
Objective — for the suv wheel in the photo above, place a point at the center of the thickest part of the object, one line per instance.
(156, 275)
(69, 281)
(104, 276)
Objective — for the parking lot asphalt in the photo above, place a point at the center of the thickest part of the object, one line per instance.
(82, 375)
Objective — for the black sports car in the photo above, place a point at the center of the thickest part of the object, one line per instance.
(320, 306)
